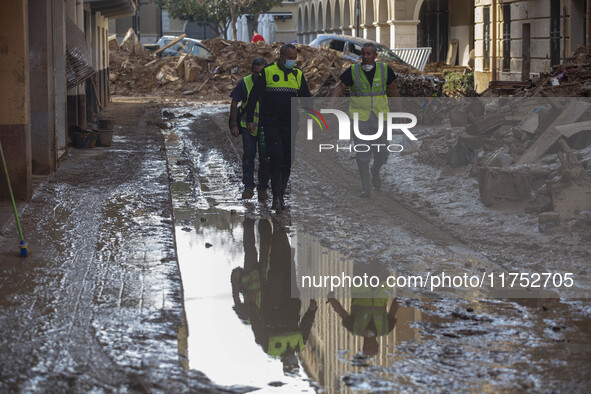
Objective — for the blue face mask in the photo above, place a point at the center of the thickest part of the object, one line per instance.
(289, 64)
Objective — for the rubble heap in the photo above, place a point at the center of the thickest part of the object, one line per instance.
(133, 73)
(570, 79)
(526, 151)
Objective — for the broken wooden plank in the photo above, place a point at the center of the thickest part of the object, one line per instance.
(572, 113)
(568, 130)
(150, 63)
(159, 51)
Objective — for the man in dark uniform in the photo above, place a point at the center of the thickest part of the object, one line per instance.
(249, 141)
(279, 82)
(370, 84)
(271, 299)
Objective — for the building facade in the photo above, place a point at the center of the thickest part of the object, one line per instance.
(507, 39)
(515, 40)
(44, 91)
(151, 22)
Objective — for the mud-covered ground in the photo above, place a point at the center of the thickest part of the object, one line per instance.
(128, 284)
(97, 306)
(419, 221)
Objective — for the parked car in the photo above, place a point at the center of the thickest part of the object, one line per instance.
(351, 47)
(188, 46)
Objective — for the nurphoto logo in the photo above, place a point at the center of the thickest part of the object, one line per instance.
(344, 132)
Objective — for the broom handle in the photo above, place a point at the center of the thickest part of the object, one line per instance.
(18, 222)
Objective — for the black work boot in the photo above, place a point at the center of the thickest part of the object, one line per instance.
(364, 174)
(375, 176)
(278, 204)
(262, 194)
(247, 194)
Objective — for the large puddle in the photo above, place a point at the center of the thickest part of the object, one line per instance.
(248, 325)
(236, 333)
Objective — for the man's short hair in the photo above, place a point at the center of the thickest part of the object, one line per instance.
(370, 45)
(258, 61)
(284, 48)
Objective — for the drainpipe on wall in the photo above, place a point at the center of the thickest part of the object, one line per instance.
(494, 40)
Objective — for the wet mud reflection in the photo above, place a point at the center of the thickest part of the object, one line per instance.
(248, 323)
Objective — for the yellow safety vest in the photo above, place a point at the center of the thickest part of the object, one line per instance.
(249, 84)
(367, 98)
(278, 344)
(367, 304)
(251, 284)
(364, 310)
(277, 82)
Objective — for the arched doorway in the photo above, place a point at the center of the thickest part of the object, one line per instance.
(369, 30)
(300, 27)
(320, 19)
(306, 27)
(312, 23)
(337, 18)
(347, 18)
(434, 28)
(329, 27)
(383, 31)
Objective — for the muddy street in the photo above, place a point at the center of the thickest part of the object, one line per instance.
(149, 273)
(476, 341)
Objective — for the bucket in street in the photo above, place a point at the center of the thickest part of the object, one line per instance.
(93, 138)
(81, 139)
(105, 137)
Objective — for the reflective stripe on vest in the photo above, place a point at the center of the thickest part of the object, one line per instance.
(364, 310)
(249, 84)
(291, 85)
(278, 344)
(366, 98)
(251, 284)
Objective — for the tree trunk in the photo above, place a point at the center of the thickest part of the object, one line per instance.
(233, 19)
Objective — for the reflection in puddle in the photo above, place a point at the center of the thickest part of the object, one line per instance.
(247, 325)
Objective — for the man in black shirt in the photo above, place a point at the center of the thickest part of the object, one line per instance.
(369, 83)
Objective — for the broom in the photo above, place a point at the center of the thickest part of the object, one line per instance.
(24, 246)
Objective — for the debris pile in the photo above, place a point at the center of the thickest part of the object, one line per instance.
(133, 73)
(522, 150)
(570, 79)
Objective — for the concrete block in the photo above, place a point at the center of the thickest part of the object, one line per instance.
(548, 220)
(571, 200)
(191, 71)
(498, 184)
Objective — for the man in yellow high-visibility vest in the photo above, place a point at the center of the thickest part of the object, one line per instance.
(370, 83)
(240, 94)
(279, 83)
